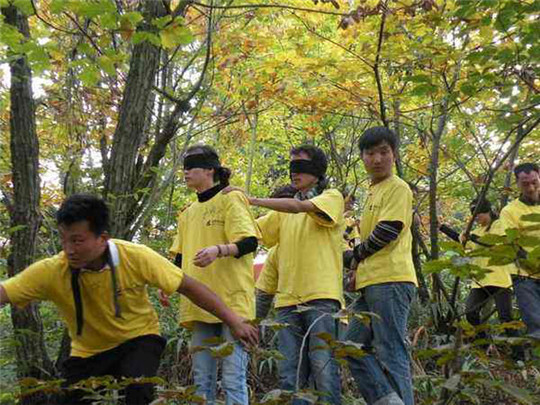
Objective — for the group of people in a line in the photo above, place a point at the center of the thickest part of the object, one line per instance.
(99, 284)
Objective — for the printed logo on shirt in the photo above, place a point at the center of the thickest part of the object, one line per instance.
(215, 222)
(212, 216)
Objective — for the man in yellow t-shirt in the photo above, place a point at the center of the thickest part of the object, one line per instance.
(309, 231)
(526, 281)
(99, 286)
(385, 276)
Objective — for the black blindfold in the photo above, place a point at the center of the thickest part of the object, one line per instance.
(200, 161)
(305, 166)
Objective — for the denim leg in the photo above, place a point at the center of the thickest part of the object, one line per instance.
(234, 372)
(528, 297)
(366, 370)
(289, 344)
(324, 368)
(392, 302)
(203, 364)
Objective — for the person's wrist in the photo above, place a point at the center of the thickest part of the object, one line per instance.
(220, 253)
(235, 321)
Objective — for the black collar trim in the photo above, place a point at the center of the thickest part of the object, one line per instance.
(210, 193)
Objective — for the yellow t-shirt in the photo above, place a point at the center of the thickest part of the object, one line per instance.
(137, 266)
(499, 275)
(223, 219)
(511, 218)
(310, 251)
(268, 279)
(389, 200)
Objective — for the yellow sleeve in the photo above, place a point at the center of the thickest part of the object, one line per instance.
(269, 227)
(331, 203)
(397, 206)
(176, 246)
(159, 272)
(239, 222)
(32, 284)
(268, 279)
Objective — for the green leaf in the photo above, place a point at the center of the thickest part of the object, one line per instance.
(107, 64)
(535, 253)
(512, 234)
(91, 9)
(58, 6)
(453, 246)
(134, 17)
(90, 75)
(173, 36)
(141, 36)
(436, 266)
(522, 395)
(25, 6)
(274, 325)
(424, 89)
(223, 350)
(531, 217)
(161, 22)
(109, 21)
(453, 382)
(491, 239)
(528, 241)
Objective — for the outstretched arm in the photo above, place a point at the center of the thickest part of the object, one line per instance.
(289, 205)
(205, 298)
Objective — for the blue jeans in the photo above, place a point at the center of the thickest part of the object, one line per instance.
(386, 368)
(528, 297)
(321, 366)
(234, 366)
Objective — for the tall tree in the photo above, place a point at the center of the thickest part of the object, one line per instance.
(32, 359)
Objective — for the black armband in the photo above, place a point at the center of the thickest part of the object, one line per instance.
(246, 245)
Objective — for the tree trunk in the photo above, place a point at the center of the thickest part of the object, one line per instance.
(32, 359)
(133, 116)
(511, 161)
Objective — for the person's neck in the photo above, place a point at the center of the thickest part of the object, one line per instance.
(204, 187)
(377, 180)
(98, 263)
(530, 201)
(306, 190)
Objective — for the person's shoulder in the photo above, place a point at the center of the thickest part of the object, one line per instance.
(512, 206)
(50, 265)
(333, 193)
(126, 248)
(56, 262)
(234, 197)
(397, 184)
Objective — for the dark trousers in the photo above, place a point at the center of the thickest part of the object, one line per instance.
(138, 357)
(479, 297)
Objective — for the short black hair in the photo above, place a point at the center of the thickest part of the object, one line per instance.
(316, 155)
(526, 168)
(483, 208)
(377, 135)
(84, 207)
(287, 191)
